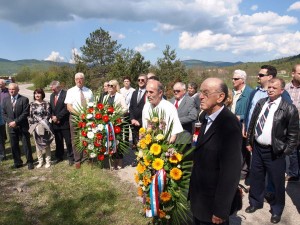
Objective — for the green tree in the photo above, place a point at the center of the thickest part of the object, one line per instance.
(24, 74)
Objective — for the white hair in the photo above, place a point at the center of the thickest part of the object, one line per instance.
(241, 73)
(79, 75)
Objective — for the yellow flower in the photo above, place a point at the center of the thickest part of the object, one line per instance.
(146, 161)
(175, 174)
(155, 149)
(140, 168)
(142, 144)
(142, 130)
(158, 164)
(160, 137)
(146, 181)
(136, 178)
(165, 196)
(155, 119)
(175, 158)
(148, 139)
(140, 191)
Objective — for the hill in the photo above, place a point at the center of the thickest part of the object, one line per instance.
(199, 63)
(8, 67)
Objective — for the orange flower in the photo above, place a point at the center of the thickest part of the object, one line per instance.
(148, 139)
(161, 214)
(140, 192)
(176, 158)
(165, 196)
(142, 144)
(136, 177)
(155, 149)
(140, 168)
(146, 161)
(158, 164)
(146, 181)
(176, 173)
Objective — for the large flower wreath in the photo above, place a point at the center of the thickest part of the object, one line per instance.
(162, 176)
(100, 130)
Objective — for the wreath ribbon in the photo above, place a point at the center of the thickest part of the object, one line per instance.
(114, 144)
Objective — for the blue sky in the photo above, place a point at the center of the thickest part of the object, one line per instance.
(209, 30)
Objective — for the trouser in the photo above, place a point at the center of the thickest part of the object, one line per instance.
(293, 168)
(77, 154)
(198, 222)
(264, 161)
(2, 141)
(61, 135)
(40, 152)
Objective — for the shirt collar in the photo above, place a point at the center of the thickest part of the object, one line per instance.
(213, 116)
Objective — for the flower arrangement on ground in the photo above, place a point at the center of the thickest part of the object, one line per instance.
(162, 176)
(100, 130)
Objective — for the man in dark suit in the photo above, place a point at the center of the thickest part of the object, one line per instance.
(272, 134)
(137, 103)
(187, 114)
(217, 158)
(60, 123)
(15, 113)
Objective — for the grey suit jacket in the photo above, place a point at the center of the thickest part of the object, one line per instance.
(187, 114)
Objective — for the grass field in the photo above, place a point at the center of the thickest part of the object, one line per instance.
(63, 195)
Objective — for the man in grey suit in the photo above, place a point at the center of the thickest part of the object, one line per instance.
(187, 114)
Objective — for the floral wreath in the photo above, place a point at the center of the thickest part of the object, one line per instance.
(162, 176)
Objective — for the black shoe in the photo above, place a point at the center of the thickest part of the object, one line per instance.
(251, 209)
(30, 166)
(58, 161)
(291, 179)
(71, 162)
(16, 166)
(275, 218)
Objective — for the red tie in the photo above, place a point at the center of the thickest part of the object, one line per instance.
(176, 104)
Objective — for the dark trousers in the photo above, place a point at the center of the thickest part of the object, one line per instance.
(61, 135)
(77, 155)
(2, 140)
(246, 159)
(264, 161)
(15, 136)
(198, 222)
(293, 169)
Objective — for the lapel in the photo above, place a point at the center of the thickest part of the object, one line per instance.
(60, 97)
(182, 104)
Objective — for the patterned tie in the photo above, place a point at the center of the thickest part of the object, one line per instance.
(139, 96)
(82, 99)
(262, 120)
(13, 103)
(176, 104)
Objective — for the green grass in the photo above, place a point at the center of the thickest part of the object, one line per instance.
(63, 195)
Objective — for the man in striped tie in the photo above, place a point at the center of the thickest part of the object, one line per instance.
(272, 134)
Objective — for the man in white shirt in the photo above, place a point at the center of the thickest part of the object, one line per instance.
(156, 102)
(76, 99)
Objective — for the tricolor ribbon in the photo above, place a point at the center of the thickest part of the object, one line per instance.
(156, 188)
(114, 143)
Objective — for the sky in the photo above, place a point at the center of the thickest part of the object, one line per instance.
(208, 30)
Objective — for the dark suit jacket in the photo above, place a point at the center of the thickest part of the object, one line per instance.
(60, 111)
(136, 109)
(20, 114)
(217, 165)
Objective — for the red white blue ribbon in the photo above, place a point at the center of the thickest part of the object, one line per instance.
(156, 188)
(114, 143)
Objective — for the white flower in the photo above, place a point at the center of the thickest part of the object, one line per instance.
(100, 127)
(94, 130)
(93, 155)
(89, 116)
(144, 188)
(90, 134)
(90, 146)
(90, 104)
(168, 217)
(178, 166)
(140, 182)
(140, 154)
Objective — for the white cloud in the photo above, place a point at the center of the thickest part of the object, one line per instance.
(74, 53)
(145, 47)
(294, 6)
(55, 57)
(164, 27)
(254, 7)
(117, 36)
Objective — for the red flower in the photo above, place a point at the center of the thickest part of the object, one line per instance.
(93, 125)
(117, 129)
(90, 110)
(83, 124)
(99, 136)
(84, 143)
(119, 120)
(100, 157)
(82, 116)
(97, 144)
(83, 133)
(98, 116)
(110, 138)
(103, 149)
(100, 106)
(85, 151)
(110, 110)
(105, 118)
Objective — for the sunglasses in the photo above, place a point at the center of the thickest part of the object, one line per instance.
(176, 91)
(141, 80)
(110, 85)
(235, 79)
(262, 75)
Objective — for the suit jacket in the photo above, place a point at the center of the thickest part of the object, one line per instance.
(136, 109)
(20, 114)
(187, 114)
(60, 111)
(216, 170)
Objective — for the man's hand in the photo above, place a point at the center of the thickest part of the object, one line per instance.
(135, 122)
(217, 220)
(249, 148)
(12, 124)
(244, 132)
(172, 139)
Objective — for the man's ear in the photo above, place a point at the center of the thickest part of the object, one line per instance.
(221, 97)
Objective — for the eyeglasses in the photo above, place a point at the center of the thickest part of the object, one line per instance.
(235, 79)
(141, 80)
(110, 85)
(207, 94)
(262, 75)
(176, 91)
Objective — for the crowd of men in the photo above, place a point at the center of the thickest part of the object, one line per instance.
(250, 137)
